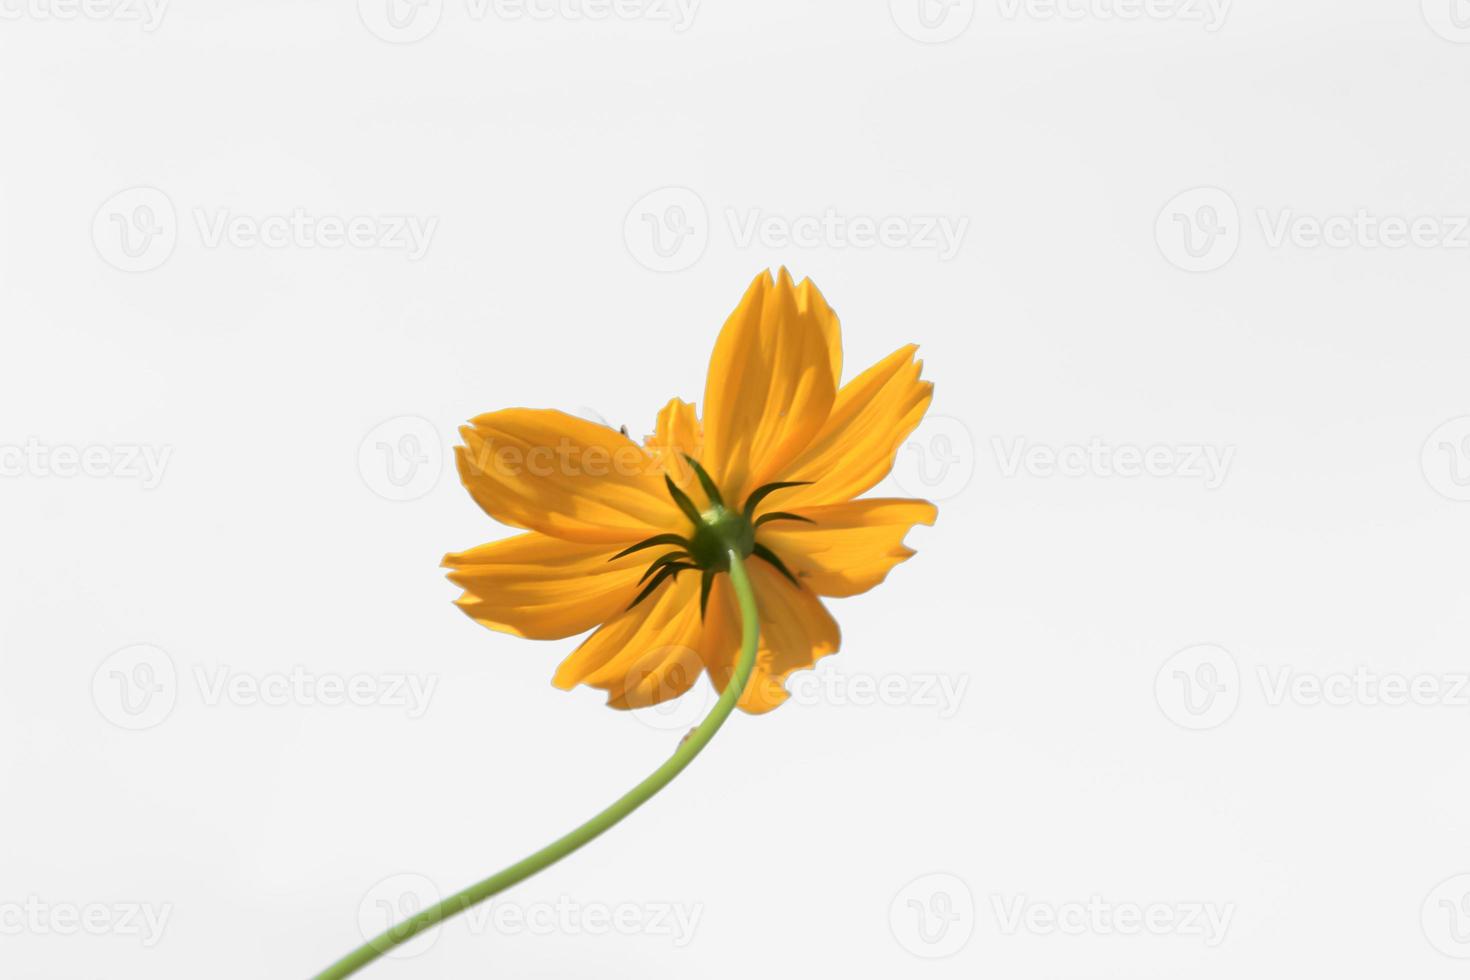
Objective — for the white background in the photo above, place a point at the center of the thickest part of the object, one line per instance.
(1086, 760)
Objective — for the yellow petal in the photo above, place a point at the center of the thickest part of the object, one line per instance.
(644, 655)
(678, 434)
(770, 385)
(849, 547)
(543, 588)
(811, 303)
(796, 631)
(872, 416)
(552, 472)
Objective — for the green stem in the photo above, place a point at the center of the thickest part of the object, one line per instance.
(630, 801)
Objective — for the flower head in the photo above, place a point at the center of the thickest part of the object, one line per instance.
(632, 540)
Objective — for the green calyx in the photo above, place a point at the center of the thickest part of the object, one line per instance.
(718, 531)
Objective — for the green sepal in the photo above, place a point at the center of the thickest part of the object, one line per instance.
(705, 581)
(663, 573)
(682, 499)
(761, 551)
(781, 515)
(652, 542)
(710, 490)
(661, 561)
(753, 501)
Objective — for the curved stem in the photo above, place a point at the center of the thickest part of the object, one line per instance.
(593, 828)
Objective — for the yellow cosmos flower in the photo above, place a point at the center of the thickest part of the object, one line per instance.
(631, 540)
(706, 549)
